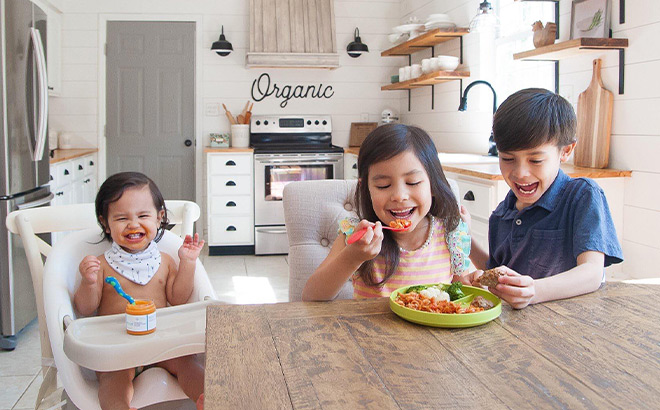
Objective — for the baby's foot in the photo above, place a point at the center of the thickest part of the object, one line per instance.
(200, 402)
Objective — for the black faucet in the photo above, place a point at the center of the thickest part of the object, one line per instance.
(492, 148)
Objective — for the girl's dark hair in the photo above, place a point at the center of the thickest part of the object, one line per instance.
(383, 143)
(113, 188)
(532, 117)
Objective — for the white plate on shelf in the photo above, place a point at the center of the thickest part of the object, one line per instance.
(407, 28)
(441, 24)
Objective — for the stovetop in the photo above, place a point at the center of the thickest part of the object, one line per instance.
(296, 148)
(292, 134)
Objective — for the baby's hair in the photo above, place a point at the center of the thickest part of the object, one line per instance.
(533, 117)
(383, 143)
(115, 186)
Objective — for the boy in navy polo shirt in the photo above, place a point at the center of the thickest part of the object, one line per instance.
(552, 235)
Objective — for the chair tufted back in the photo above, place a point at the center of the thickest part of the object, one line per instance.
(312, 210)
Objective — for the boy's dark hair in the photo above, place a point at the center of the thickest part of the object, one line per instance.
(383, 143)
(533, 117)
(113, 188)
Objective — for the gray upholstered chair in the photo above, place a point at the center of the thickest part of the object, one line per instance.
(312, 210)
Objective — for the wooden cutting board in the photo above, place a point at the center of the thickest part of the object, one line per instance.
(594, 123)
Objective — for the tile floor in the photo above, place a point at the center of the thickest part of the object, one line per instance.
(236, 279)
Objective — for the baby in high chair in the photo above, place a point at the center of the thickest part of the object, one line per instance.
(131, 210)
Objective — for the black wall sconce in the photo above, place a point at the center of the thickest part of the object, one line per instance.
(222, 47)
(356, 47)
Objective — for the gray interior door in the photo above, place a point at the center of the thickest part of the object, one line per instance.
(150, 103)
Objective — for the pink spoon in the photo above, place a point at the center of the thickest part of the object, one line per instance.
(359, 234)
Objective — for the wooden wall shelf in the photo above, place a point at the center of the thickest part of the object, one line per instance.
(436, 77)
(571, 48)
(426, 40)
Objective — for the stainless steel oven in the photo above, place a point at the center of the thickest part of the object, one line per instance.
(288, 149)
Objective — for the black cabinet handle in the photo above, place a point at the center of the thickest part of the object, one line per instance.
(231, 203)
(230, 183)
(354, 166)
(59, 193)
(80, 167)
(230, 163)
(231, 228)
(469, 196)
(66, 172)
(91, 163)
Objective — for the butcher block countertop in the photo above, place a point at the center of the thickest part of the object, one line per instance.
(60, 155)
(492, 171)
(227, 150)
(352, 150)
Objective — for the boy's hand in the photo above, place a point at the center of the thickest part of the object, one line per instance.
(367, 247)
(89, 269)
(516, 289)
(191, 248)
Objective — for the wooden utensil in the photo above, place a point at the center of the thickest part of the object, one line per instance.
(228, 114)
(248, 114)
(594, 123)
(241, 119)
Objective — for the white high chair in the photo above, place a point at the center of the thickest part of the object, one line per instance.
(59, 278)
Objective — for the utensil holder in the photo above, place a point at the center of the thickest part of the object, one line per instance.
(240, 135)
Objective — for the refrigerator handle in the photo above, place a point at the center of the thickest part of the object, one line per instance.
(42, 201)
(40, 58)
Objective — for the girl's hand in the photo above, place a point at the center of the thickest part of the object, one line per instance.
(465, 216)
(89, 269)
(367, 247)
(516, 289)
(191, 248)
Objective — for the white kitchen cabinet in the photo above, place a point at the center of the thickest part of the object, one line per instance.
(481, 196)
(350, 166)
(73, 182)
(230, 200)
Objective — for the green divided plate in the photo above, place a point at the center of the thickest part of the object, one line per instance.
(450, 319)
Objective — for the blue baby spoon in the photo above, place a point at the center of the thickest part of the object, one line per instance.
(112, 281)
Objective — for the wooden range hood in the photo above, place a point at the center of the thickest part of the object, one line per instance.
(292, 33)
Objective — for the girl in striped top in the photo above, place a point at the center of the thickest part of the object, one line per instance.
(400, 177)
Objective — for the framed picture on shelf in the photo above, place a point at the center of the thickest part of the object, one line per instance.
(590, 18)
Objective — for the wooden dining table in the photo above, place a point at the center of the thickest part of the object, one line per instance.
(595, 351)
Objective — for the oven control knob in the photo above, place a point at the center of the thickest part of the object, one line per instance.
(316, 122)
(258, 122)
(309, 122)
(266, 122)
(325, 122)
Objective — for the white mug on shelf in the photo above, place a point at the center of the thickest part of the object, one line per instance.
(240, 135)
(415, 71)
(407, 72)
(426, 66)
(402, 74)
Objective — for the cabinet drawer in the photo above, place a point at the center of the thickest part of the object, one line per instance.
(90, 165)
(231, 205)
(231, 231)
(231, 185)
(476, 198)
(79, 168)
(227, 164)
(62, 173)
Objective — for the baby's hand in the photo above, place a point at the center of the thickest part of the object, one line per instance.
(191, 248)
(516, 289)
(367, 247)
(89, 269)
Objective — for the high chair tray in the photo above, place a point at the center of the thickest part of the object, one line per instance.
(101, 342)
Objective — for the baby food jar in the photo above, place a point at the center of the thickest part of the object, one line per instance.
(141, 317)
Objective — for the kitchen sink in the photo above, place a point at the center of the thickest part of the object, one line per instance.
(464, 158)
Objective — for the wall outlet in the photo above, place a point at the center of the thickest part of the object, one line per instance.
(212, 110)
(364, 117)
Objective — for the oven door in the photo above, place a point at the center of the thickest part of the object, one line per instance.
(274, 171)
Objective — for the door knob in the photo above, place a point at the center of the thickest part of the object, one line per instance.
(188, 143)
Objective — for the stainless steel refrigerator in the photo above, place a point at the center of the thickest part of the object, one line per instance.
(23, 165)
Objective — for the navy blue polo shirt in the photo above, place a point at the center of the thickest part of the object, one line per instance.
(545, 239)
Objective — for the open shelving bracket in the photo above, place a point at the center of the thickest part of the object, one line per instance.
(460, 61)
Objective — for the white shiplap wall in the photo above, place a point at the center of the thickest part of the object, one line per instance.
(635, 143)
(225, 79)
